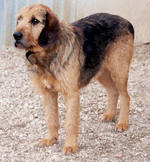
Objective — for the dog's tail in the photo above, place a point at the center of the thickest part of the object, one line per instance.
(131, 29)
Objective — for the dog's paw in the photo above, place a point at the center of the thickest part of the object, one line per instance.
(47, 142)
(69, 150)
(122, 127)
(107, 117)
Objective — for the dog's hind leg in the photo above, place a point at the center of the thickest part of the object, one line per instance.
(104, 77)
(121, 84)
(118, 61)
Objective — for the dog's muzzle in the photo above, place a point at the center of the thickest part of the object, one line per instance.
(19, 42)
(18, 36)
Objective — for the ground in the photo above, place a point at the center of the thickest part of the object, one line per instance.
(22, 120)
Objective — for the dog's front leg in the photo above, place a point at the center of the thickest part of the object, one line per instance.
(72, 104)
(49, 100)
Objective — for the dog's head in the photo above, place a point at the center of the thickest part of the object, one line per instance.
(37, 27)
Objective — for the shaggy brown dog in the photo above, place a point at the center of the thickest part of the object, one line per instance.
(66, 57)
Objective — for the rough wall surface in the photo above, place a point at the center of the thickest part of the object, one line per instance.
(137, 11)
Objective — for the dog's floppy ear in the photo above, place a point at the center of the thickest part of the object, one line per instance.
(50, 33)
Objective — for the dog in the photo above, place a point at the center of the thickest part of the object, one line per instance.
(64, 58)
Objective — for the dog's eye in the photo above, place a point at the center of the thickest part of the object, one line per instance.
(34, 21)
(19, 19)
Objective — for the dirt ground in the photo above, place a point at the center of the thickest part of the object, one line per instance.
(22, 120)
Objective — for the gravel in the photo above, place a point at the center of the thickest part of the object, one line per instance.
(22, 120)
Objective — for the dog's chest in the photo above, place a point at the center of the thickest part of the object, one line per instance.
(46, 84)
(62, 82)
(51, 84)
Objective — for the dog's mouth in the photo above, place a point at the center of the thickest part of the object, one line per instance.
(20, 44)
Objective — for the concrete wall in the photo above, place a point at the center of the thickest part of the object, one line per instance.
(136, 11)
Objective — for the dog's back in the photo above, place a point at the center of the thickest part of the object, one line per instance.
(99, 31)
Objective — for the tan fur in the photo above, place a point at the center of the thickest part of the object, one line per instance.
(114, 76)
(63, 73)
(63, 69)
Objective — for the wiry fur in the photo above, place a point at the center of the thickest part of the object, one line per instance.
(66, 57)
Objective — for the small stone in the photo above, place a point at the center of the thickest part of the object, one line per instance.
(118, 155)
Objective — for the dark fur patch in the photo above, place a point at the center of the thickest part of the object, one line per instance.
(99, 30)
(50, 33)
(131, 29)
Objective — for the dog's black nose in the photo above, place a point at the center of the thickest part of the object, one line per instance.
(17, 35)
